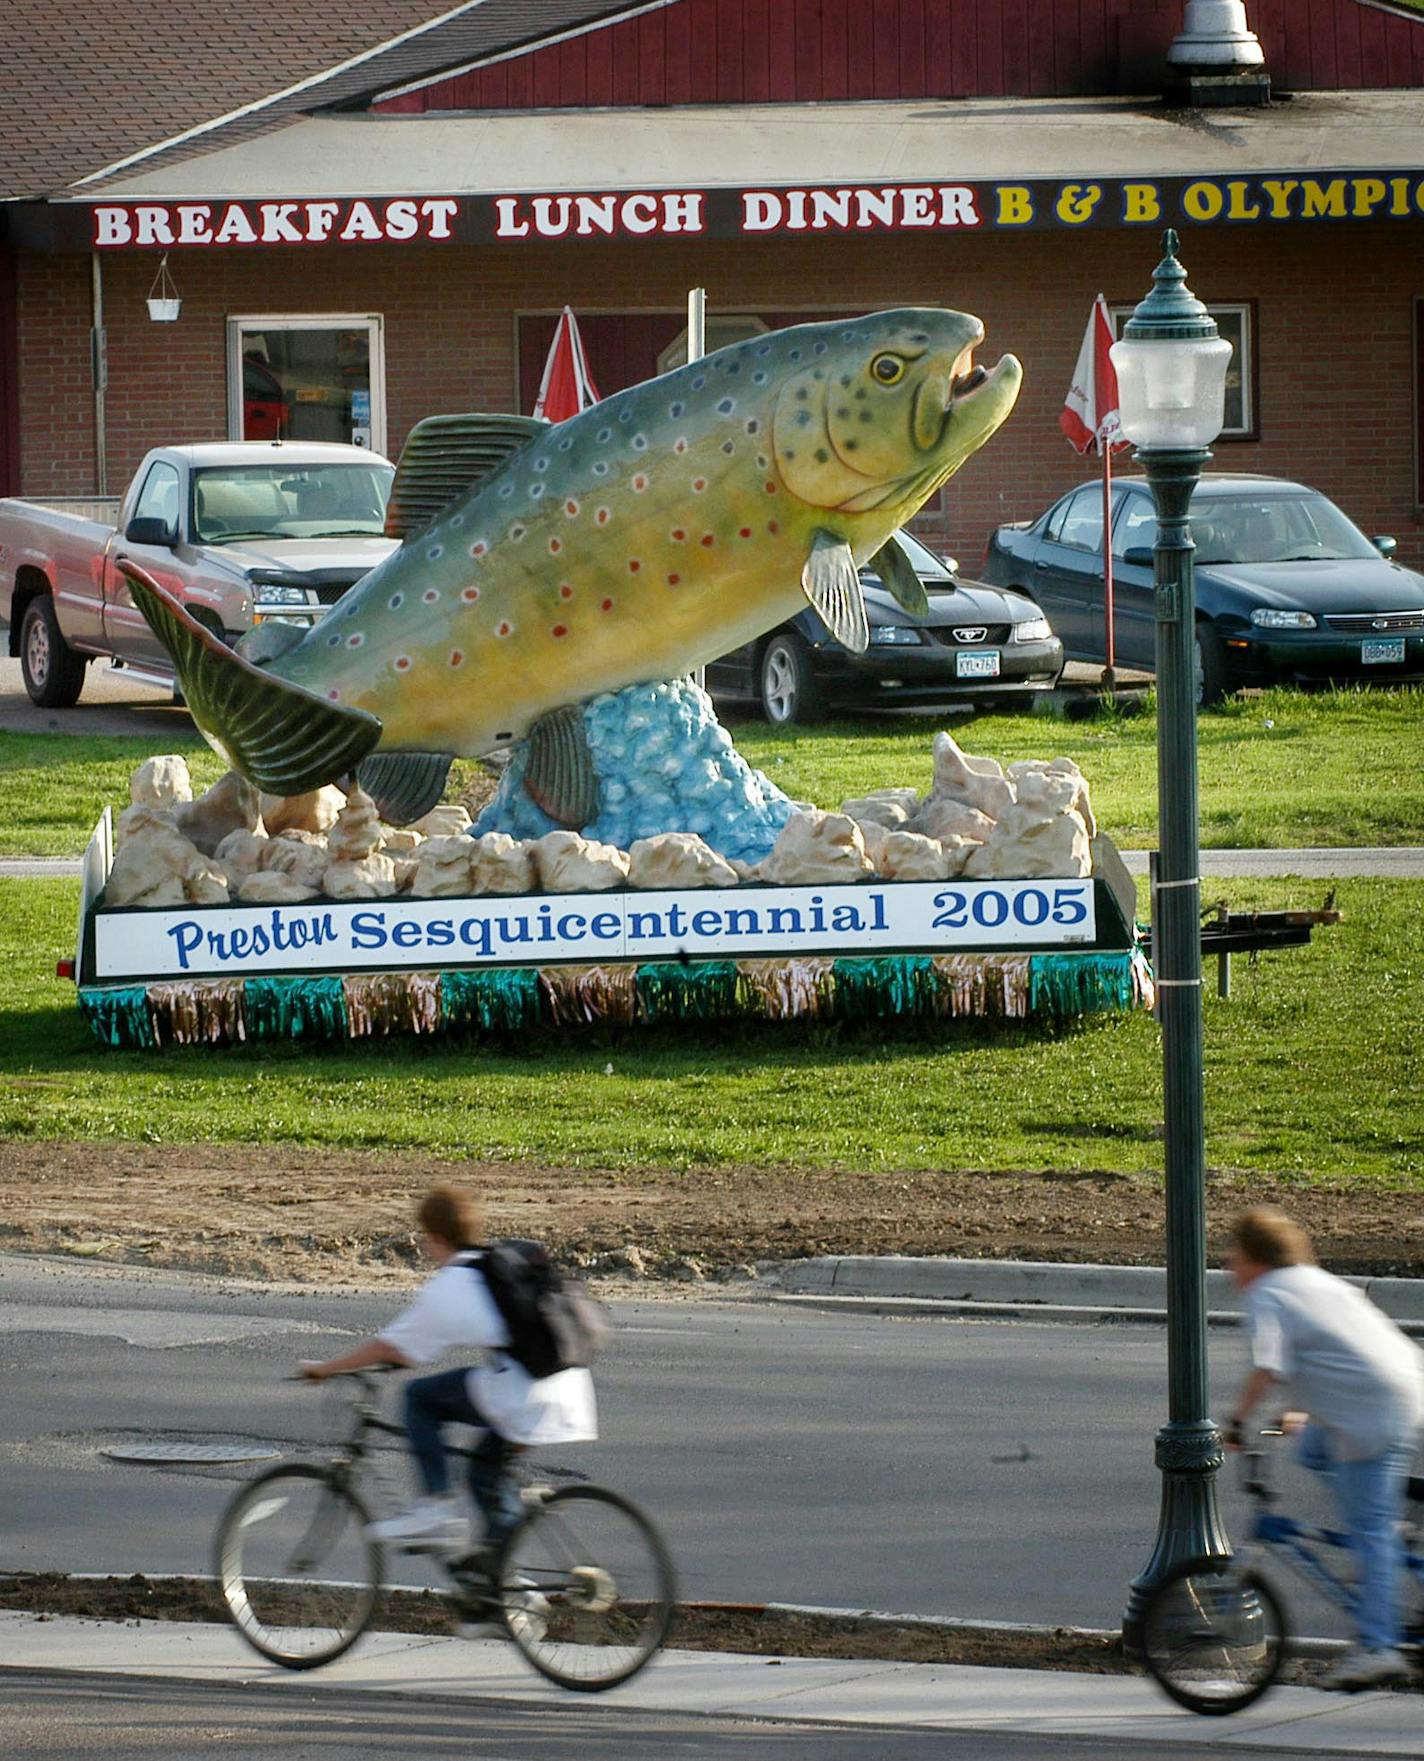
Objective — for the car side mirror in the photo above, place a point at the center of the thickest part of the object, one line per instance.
(1385, 546)
(149, 529)
(1138, 555)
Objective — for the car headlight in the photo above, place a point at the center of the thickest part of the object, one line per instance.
(1266, 617)
(275, 593)
(895, 636)
(1032, 630)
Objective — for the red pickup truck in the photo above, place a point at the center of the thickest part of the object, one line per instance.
(240, 531)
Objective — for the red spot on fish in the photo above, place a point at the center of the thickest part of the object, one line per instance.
(707, 539)
(402, 663)
(561, 629)
(772, 527)
(602, 516)
(678, 534)
(633, 565)
(355, 641)
(335, 696)
(430, 595)
(640, 483)
(504, 628)
(771, 489)
(566, 592)
(679, 446)
(457, 658)
(699, 484)
(746, 532)
(673, 580)
(555, 546)
(571, 507)
(470, 594)
(607, 605)
(479, 547)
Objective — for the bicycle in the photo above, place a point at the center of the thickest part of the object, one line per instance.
(1214, 1631)
(584, 1586)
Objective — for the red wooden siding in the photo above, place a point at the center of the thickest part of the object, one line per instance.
(785, 51)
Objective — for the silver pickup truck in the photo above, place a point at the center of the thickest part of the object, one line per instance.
(240, 531)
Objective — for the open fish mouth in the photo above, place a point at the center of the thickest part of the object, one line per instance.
(963, 383)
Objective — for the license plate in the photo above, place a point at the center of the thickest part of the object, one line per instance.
(1382, 651)
(981, 663)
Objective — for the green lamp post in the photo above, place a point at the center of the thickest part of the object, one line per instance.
(1171, 374)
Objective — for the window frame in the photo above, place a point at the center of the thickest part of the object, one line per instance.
(372, 322)
(1250, 360)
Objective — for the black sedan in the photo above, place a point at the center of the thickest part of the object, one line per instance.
(977, 641)
(1288, 590)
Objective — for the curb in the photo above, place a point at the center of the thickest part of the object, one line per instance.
(1039, 1289)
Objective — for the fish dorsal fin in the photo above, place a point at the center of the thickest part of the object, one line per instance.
(831, 582)
(559, 776)
(443, 456)
(897, 572)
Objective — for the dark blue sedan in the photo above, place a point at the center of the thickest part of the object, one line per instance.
(1288, 590)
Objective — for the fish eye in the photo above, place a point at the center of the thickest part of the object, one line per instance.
(888, 369)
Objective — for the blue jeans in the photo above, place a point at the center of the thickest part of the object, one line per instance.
(431, 1403)
(1370, 1498)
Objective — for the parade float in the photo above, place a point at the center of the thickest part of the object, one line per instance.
(554, 586)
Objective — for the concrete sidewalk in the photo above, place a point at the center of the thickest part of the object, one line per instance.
(1037, 1289)
(1106, 1709)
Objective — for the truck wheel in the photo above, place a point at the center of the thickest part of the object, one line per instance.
(789, 689)
(52, 671)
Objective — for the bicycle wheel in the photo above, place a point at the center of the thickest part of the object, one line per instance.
(586, 1588)
(1213, 1636)
(298, 1575)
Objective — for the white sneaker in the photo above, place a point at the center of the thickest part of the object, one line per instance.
(1360, 1669)
(429, 1522)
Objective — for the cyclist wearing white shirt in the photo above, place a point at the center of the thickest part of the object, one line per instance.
(1361, 1383)
(454, 1310)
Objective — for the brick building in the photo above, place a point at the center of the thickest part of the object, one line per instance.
(383, 224)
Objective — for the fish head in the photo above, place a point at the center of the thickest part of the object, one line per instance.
(878, 413)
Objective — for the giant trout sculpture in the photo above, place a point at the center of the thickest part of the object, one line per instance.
(640, 539)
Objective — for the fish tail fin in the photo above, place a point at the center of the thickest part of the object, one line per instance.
(281, 736)
(404, 785)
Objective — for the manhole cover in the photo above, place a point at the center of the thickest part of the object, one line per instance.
(190, 1453)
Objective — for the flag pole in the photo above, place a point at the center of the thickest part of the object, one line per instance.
(1109, 677)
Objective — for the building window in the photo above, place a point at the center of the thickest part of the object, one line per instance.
(720, 330)
(307, 377)
(1237, 324)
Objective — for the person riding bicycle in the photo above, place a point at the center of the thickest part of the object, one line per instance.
(452, 1310)
(1361, 1383)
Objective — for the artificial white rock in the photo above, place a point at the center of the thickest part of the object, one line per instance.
(231, 805)
(501, 864)
(400, 840)
(1028, 847)
(373, 877)
(909, 856)
(141, 818)
(444, 821)
(1039, 783)
(566, 862)
(405, 867)
(302, 855)
(677, 859)
(874, 834)
(159, 782)
(240, 855)
(313, 812)
(978, 782)
(357, 831)
(942, 818)
(818, 849)
(744, 871)
(156, 865)
(888, 807)
(270, 886)
(442, 869)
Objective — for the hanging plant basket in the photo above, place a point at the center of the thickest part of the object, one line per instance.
(164, 303)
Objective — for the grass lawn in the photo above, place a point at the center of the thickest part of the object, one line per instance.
(1283, 768)
(1313, 1069)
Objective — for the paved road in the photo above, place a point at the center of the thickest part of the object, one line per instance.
(995, 1471)
(76, 1718)
(112, 703)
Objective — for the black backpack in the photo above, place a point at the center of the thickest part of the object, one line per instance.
(553, 1324)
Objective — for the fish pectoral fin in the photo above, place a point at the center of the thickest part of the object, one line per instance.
(897, 572)
(443, 456)
(404, 785)
(559, 776)
(831, 582)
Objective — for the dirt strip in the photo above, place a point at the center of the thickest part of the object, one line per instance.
(344, 1217)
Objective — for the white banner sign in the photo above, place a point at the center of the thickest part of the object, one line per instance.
(552, 929)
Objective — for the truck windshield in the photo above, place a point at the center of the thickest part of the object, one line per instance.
(233, 502)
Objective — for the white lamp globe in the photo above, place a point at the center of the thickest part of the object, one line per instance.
(1171, 364)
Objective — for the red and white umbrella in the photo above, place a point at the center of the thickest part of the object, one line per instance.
(566, 387)
(1090, 416)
